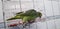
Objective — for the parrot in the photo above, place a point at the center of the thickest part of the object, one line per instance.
(27, 16)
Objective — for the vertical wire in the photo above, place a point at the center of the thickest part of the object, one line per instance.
(20, 5)
(53, 14)
(16, 9)
(3, 14)
(21, 10)
(59, 14)
(58, 7)
(34, 8)
(45, 14)
(33, 4)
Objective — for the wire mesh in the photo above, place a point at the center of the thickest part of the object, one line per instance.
(34, 6)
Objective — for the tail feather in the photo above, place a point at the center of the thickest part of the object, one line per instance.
(12, 19)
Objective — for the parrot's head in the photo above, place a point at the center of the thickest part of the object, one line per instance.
(39, 14)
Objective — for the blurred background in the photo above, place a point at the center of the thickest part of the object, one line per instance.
(50, 10)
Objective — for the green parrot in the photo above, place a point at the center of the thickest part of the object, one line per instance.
(27, 16)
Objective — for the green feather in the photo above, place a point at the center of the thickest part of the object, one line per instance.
(30, 12)
(28, 18)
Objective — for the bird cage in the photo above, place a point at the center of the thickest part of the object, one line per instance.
(48, 8)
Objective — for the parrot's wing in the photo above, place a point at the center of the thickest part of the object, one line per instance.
(30, 12)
